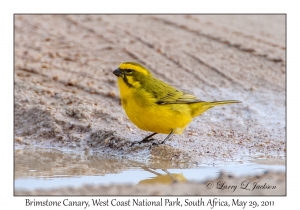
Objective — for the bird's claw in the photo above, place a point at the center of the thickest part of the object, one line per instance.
(154, 144)
(142, 142)
(135, 142)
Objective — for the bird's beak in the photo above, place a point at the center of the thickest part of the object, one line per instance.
(117, 72)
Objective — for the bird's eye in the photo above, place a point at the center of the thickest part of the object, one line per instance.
(129, 71)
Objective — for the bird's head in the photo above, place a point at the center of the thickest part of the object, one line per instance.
(133, 74)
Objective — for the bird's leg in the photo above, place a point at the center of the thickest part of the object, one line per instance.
(173, 178)
(145, 140)
(166, 139)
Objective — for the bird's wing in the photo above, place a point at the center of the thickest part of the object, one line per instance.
(178, 97)
(167, 94)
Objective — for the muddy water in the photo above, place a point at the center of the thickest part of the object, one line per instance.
(51, 168)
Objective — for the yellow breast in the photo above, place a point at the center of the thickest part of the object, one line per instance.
(142, 110)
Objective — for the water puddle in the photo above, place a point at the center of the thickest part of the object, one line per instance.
(49, 168)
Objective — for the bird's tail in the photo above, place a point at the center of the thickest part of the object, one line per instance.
(202, 106)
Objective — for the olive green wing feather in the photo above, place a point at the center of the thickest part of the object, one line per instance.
(179, 97)
(166, 94)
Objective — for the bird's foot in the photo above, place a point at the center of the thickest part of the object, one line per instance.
(156, 143)
(142, 142)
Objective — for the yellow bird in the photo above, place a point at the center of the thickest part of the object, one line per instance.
(153, 105)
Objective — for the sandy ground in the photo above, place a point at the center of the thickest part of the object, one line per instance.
(67, 97)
